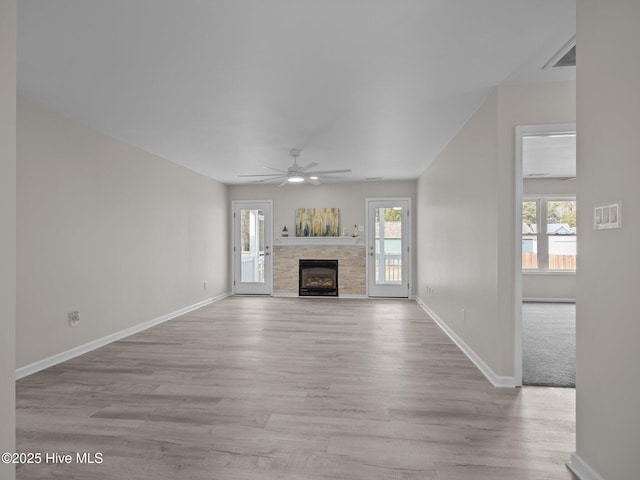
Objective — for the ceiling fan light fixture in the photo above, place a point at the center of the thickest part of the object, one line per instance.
(295, 173)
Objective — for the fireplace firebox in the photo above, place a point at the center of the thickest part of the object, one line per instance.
(318, 277)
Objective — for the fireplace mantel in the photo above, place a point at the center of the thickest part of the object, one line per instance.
(318, 241)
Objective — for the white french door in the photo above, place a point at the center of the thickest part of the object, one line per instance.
(388, 247)
(252, 252)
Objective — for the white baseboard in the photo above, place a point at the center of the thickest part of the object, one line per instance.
(495, 379)
(87, 347)
(549, 300)
(582, 469)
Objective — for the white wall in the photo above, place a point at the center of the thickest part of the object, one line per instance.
(521, 105)
(457, 234)
(543, 286)
(546, 287)
(348, 197)
(120, 235)
(466, 215)
(608, 302)
(7, 230)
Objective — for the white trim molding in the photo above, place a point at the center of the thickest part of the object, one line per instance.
(101, 342)
(548, 300)
(495, 379)
(582, 469)
(316, 297)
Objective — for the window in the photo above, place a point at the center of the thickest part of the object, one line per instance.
(549, 234)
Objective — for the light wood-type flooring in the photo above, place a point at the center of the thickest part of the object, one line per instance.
(288, 388)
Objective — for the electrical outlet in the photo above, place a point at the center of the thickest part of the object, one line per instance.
(74, 318)
(204, 285)
(464, 315)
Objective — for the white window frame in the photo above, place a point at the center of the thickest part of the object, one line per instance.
(542, 235)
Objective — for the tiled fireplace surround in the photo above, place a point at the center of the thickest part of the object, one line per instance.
(351, 264)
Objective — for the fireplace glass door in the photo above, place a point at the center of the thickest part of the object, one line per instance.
(318, 277)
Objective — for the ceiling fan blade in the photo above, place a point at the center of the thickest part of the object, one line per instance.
(284, 183)
(311, 165)
(276, 169)
(265, 180)
(264, 175)
(324, 172)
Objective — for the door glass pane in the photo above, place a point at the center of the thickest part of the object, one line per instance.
(252, 245)
(529, 235)
(388, 245)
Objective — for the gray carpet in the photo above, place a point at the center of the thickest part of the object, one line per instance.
(549, 344)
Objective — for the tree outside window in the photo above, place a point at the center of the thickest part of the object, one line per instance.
(549, 234)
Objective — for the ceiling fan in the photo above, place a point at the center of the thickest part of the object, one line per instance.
(295, 173)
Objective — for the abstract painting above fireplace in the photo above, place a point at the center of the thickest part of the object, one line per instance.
(317, 222)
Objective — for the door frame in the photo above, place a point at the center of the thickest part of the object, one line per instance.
(267, 205)
(370, 242)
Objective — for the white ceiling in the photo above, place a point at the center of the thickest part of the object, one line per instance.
(227, 87)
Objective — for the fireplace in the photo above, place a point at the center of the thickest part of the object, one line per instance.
(318, 277)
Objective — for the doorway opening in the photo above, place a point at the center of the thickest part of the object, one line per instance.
(546, 240)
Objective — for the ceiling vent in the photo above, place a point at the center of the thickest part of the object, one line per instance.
(566, 57)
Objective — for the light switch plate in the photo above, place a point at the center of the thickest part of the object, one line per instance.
(607, 216)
